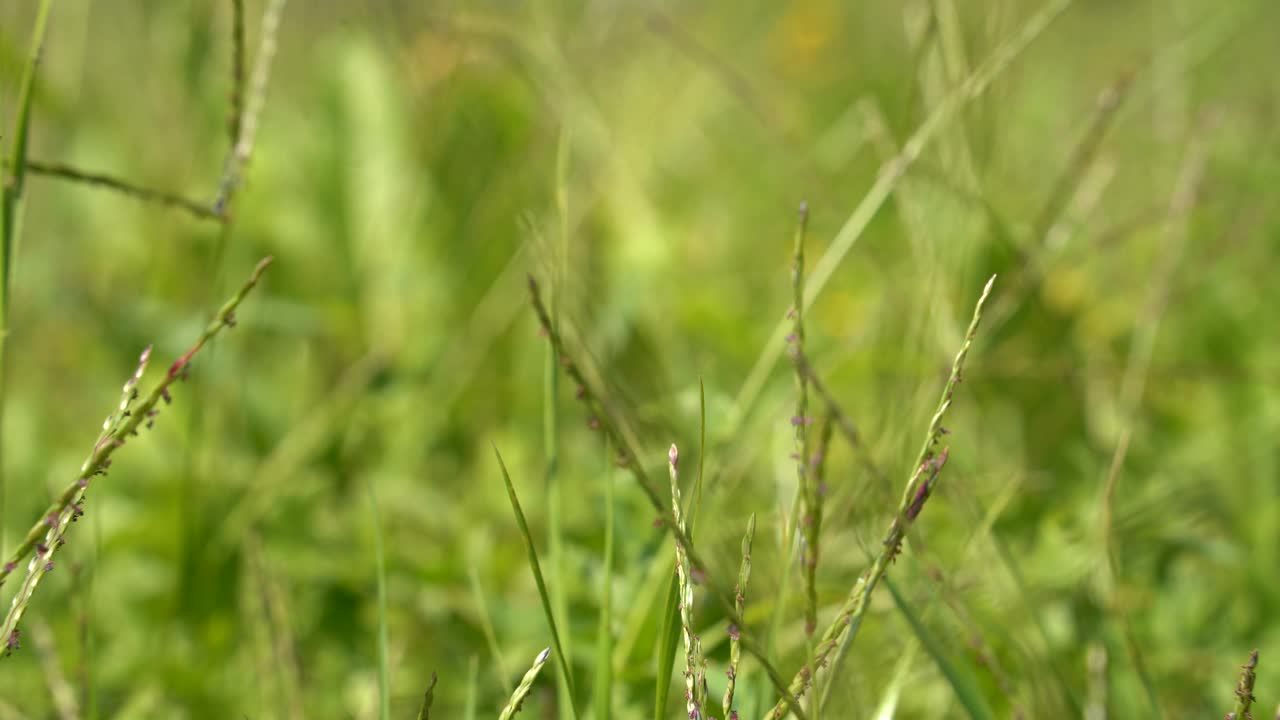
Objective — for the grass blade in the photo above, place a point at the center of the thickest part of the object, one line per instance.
(536, 568)
(667, 651)
(963, 684)
(927, 469)
(9, 206)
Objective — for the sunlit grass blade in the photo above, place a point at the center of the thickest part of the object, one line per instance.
(962, 683)
(536, 569)
(380, 568)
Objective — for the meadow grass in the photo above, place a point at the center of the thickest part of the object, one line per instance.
(321, 532)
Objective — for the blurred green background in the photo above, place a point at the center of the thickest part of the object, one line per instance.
(646, 160)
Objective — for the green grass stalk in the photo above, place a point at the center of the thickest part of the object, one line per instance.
(513, 705)
(628, 456)
(806, 493)
(10, 206)
(60, 171)
(545, 596)
(928, 467)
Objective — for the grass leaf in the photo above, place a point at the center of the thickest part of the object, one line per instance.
(538, 579)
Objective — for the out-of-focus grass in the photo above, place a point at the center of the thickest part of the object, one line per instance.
(406, 176)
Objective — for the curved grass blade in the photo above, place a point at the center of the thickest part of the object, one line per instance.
(542, 591)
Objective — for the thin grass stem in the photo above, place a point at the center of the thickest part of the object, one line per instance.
(928, 467)
(60, 171)
(890, 173)
(242, 150)
(629, 457)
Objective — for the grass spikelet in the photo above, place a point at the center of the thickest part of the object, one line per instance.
(928, 467)
(740, 602)
(800, 422)
(1244, 689)
(424, 713)
(695, 678)
(242, 150)
(812, 522)
(46, 536)
(235, 111)
(526, 684)
(606, 423)
(536, 568)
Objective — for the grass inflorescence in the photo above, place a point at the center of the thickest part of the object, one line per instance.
(134, 413)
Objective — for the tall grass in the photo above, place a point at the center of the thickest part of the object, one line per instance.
(1074, 550)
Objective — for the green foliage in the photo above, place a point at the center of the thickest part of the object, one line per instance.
(1104, 534)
